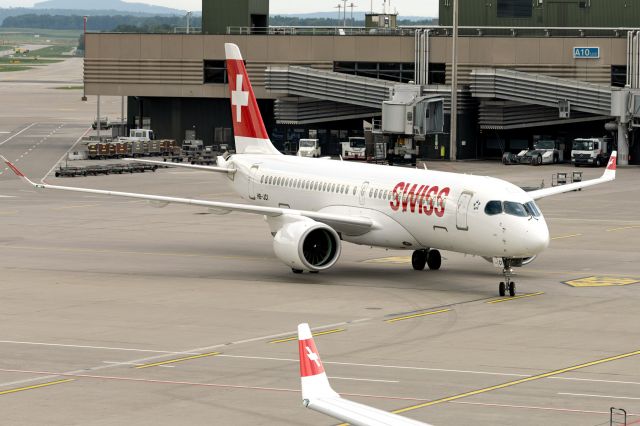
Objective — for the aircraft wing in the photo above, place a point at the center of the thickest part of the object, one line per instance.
(608, 175)
(341, 223)
(318, 395)
(185, 166)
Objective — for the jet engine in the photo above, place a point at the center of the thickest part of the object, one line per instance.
(307, 245)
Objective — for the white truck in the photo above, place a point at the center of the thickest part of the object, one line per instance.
(590, 151)
(354, 149)
(309, 148)
(138, 135)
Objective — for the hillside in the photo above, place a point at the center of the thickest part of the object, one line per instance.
(112, 5)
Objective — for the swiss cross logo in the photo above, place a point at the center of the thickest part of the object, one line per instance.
(239, 98)
(612, 163)
(310, 364)
(313, 356)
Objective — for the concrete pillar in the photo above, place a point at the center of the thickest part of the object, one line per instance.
(623, 144)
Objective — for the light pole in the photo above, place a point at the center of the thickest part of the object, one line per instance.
(453, 147)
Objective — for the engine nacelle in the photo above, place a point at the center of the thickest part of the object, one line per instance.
(307, 245)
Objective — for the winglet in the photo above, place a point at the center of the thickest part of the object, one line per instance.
(312, 375)
(610, 171)
(17, 171)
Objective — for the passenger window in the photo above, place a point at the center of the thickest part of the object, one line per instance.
(371, 193)
(515, 209)
(493, 208)
(261, 179)
(375, 194)
(355, 189)
(333, 187)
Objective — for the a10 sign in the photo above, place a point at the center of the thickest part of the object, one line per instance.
(586, 53)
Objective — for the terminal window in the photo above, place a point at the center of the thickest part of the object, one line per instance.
(215, 72)
(618, 75)
(515, 8)
(391, 71)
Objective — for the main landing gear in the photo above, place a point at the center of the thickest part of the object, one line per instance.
(507, 284)
(420, 258)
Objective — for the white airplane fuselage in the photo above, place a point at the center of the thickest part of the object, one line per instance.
(414, 209)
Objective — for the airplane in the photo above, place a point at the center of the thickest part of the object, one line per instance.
(318, 395)
(313, 205)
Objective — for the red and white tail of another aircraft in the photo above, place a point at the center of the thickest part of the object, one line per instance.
(318, 395)
(313, 206)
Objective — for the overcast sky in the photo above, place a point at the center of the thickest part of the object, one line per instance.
(404, 7)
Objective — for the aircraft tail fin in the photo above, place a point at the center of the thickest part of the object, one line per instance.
(248, 127)
(312, 376)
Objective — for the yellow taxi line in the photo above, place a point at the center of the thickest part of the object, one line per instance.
(562, 237)
(318, 333)
(623, 228)
(517, 382)
(422, 314)
(172, 361)
(42, 385)
(506, 299)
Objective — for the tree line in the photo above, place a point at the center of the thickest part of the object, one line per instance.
(115, 23)
(161, 24)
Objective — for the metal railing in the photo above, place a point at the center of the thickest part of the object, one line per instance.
(435, 31)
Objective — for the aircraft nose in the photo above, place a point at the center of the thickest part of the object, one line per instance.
(539, 238)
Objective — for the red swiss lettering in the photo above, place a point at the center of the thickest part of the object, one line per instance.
(441, 199)
(429, 196)
(395, 202)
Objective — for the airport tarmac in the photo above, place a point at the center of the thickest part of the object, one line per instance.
(115, 312)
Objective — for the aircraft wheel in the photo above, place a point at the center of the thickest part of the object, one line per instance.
(434, 259)
(502, 289)
(512, 289)
(419, 259)
(296, 271)
(314, 272)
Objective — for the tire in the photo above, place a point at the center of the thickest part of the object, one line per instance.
(502, 289)
(512, 289)
(419, 260)
(296, 271)
(434, 259)
(556, 159)
(598, 162)
(538, 160)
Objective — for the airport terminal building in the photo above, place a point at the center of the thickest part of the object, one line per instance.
(527, 69)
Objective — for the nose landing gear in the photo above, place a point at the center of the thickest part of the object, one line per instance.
(507, 284)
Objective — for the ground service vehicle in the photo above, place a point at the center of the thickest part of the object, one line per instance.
(105, 124)
(592, 152)
(309, 148)
(313, 207)
(354, 149)
(403, 151)
(543, 152)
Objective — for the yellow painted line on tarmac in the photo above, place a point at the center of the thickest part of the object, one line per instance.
(318, 333)
(506, 299)
(398, 260)
(517, 382)
(42, 385)
(623, 228)
(422, 314)
(173, 361)
(562, 237)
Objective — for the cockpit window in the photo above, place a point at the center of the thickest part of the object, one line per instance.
(515, 209)
(532, 209)
(493, 208)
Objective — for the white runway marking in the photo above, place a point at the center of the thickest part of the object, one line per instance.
(364, 380)
(598, 396)
(17, 134)
(6, 196)
(197, 351)
(95, 347)
(64, 155)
